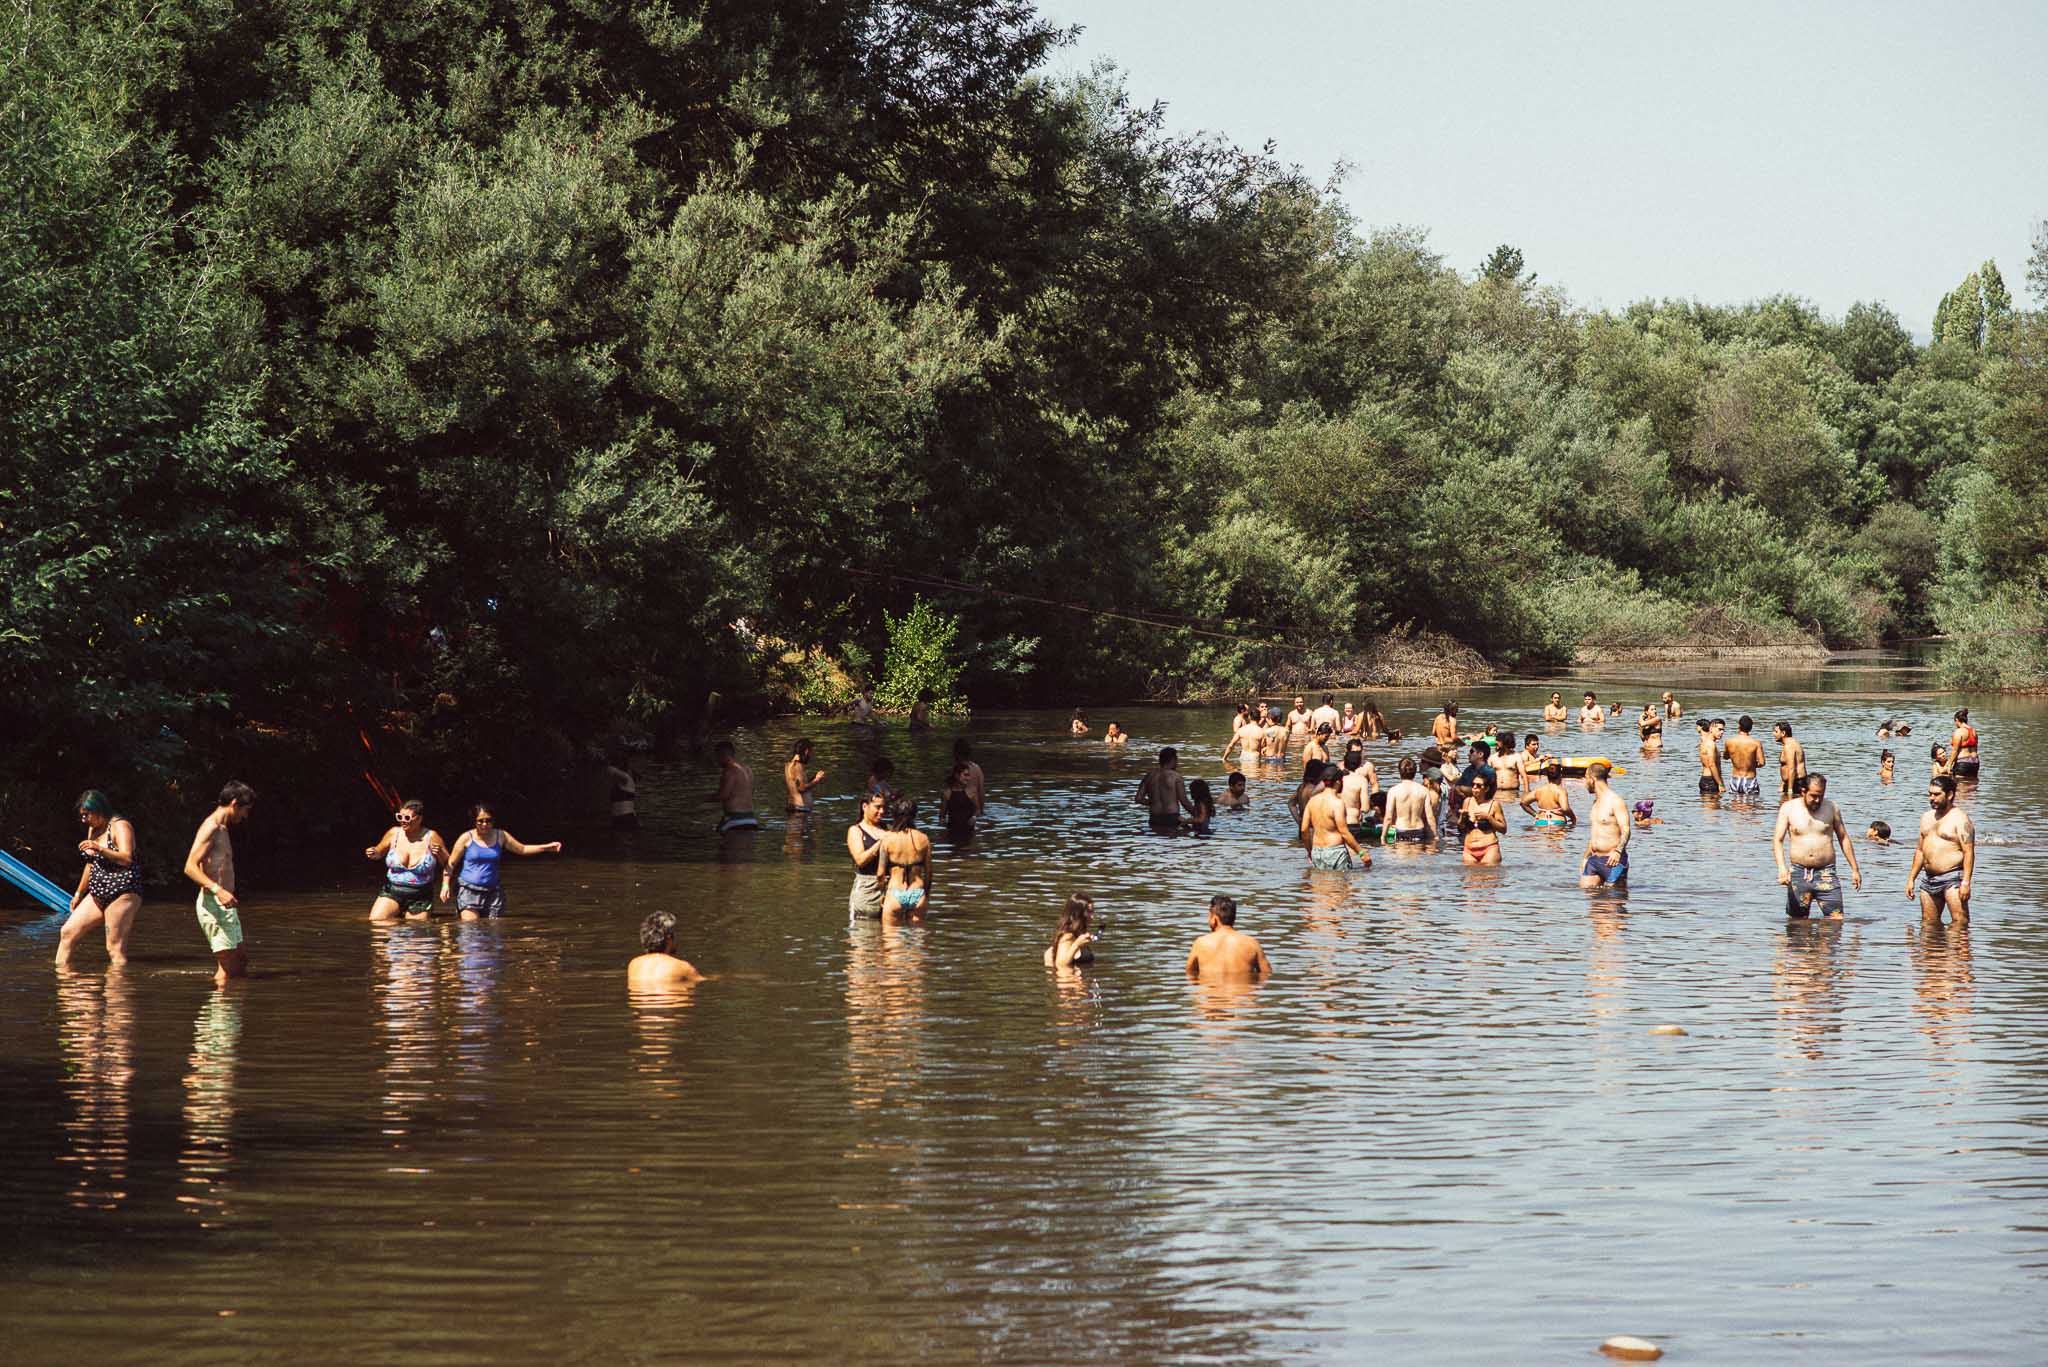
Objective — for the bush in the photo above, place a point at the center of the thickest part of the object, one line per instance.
(2001, 642)
(922, 661)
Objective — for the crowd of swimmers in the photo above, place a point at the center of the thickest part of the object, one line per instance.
(1339, 810)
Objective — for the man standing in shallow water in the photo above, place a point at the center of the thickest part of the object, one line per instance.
(1607, 844)
(1227, 952)
(1411, 811)
(1945, 857)
(1710, 757)
(1808, 828)
(211, 864)
(1745, 757)
(1331, 845)
(1791, 760)
(1164, 793)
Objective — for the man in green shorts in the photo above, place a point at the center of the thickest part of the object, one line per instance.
(211, 865)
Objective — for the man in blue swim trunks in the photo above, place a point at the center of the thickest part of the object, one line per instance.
(1609, 828)
(1331, 845)
(1745, 757)
(1945, 857)
(1803, 842)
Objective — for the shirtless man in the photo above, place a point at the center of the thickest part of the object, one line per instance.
(1532, 759)
(1246, 739)
(1311, 783)
(1298, 725)
(1444, 730)
(1318, 747)
(793, 780)
(1331, 845)
(1508, 771)
(1164, 794)
(1591, 713)
(735, 790)
(1711, 734)
(1235, 798)
(864, 708)
(1791, 760)
(1325, 716)
(1548, 801)
(1361, 781)
(657, 965)
(1411, 808)
(1671, 707)
(1555, 710)
(1273, 740)
(211, 864)
(1808, 828)
(975, 781)
(1945, 858)
(1226, 951)
(1745, 757)
(1607, 844)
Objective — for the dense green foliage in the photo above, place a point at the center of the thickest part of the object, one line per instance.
(492, 375)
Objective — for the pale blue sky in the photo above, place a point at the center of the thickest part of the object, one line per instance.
(1722, 151)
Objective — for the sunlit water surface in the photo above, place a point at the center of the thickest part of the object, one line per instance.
(1442, 1133)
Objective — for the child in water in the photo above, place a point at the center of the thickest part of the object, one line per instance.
(1204, 804)
(1642, 814)
(1880, 833)
(1884, 767)
(1235, 798)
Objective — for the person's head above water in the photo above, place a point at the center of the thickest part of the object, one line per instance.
(1598, 773)
(1782, 730)
(1941, 793)
(903, 813)
(1478, 754)
(962, 749)
(658, 932)
(1879, 830)
(1075, 916)
(1645, 807)
(1169, 758)
(1407, 766)
(1815, 790)
(1743, 723)
(1589, 697)
(722, 751)
(1224, 909)
(1236, 781)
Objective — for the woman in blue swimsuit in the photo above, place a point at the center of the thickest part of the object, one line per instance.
(412, 856)
(472, 872)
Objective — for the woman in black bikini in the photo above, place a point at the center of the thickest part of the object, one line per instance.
(864, 847)
(110, 885)
(1483, 822)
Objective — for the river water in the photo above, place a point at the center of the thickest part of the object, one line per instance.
(1442, 1132)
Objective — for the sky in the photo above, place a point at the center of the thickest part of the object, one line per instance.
(1723, 152)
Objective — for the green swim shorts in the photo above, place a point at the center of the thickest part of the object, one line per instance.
(222, 927)
(1331, 857)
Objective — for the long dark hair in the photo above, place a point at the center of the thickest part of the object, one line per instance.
(1074, 918)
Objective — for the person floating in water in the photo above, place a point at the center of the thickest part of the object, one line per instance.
(1644, 813)
(658, 965)
(1803, 842)
(471, 873)
(735, 795)
(109, 889)
(1227, 952)
(413, 856)
(1944, 857)
(1880, 833)
(211, 864)
(1074, 938)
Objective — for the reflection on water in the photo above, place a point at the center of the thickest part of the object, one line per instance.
(96, 1038)
(881, 1143)
(207, 1158)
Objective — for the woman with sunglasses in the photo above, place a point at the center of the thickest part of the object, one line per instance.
(110, 885)
(412, 856)
(472, 872)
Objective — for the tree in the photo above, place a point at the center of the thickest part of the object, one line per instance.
(1872, 344)
(1504, 265)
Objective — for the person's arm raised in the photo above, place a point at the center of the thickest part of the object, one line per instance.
(512, 844)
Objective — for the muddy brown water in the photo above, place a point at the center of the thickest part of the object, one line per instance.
(1442, 1133)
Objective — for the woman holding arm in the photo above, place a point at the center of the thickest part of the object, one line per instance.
(110, 884)
(473, 864)
(1070, 943)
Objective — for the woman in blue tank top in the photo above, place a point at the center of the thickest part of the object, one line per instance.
(473, 864)
(412, 855)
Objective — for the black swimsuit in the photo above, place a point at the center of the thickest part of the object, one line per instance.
(109, 882)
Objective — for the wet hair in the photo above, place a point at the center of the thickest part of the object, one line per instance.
(1323, 730)
(802, 748)
(1884, 755)
(1312, 771)
(1223, 909)
(1784, 726)
(1198, 791)
(957, 776)
(1962, 714)
(1332, 776)
(1599, 771)
(94, 801)
(235, 791)
(1812, 781)
(1407, 766)
(1074, 917)
(961, 749)
(657, 931)
(1881, 829)
(1168, 757)
(1236, 779)
(1703, 724)
(415, 806)
(1743, 723)
(722, 750)
(1945, 783)
(1936, 750)
(903, 813)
